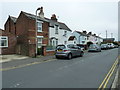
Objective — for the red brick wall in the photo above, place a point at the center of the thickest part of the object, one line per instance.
(11, 43)
(22, 34)
(10, 26)
(50, 52)
(10, 32)
(45, 32)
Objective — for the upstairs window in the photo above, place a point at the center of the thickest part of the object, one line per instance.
(3, 41)
(56, 29)
(39, 26)
(65, 33)
(56, 42)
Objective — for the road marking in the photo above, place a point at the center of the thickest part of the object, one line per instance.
(29, 64)
(108, 76)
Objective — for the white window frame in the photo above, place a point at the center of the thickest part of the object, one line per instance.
(39, 37)
(5, 38)
(65, 33)
(39, 25)
(56, 29)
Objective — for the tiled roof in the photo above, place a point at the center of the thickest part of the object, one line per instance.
(82, 33)
(32, 16)
(62, 25)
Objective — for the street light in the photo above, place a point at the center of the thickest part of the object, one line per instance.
(36, 29)
(79, 38)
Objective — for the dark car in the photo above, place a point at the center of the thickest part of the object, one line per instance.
(68, 51)
(94, 47)
(104, 46)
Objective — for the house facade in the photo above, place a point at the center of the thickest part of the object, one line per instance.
(58, 32)
(31, 34)
(81, 37)
(8, 36)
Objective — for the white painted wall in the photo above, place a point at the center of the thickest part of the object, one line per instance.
(60, 36)
(80, 38)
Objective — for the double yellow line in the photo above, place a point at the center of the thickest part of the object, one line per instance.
(103, 85)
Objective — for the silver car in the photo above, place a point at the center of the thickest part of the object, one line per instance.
(68, 51)
(94, 47)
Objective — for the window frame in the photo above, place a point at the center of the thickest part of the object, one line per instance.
(56, 29)
(4, 39)
(39, 37)
(39, 24)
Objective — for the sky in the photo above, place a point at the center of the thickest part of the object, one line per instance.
(96, 16)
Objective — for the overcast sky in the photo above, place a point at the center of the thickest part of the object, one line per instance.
(93, 16)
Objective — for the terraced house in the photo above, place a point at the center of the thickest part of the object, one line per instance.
(34, 32)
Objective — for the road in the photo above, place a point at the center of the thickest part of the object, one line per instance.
(88, 71)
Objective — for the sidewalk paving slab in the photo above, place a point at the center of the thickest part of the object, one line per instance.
(16, 62)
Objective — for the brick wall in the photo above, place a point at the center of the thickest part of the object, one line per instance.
(11, 44)
(22, 35)
(10, 32)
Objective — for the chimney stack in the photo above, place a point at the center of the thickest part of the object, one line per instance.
(54, 17)
(94, 34)
(90, 33)
(84, 32)
(41, 14)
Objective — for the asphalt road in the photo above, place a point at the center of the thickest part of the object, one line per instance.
(81, 72)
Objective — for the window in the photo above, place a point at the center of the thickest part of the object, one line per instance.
(83, 42)
(65, 33)
(56, 42)
(56, 29)
(39, 42)
(39, 26)
(65, 42)
(3, 41)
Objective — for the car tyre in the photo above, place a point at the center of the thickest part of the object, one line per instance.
(82, 53)
(69, 56)
(57, 57)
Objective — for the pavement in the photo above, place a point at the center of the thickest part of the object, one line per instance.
(14, 57)
(8, 58)
(8, 61)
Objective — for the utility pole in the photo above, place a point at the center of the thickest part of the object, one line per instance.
(111, 35)
(106, 34)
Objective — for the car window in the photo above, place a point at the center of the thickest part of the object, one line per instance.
(70, 46)
(61, 47)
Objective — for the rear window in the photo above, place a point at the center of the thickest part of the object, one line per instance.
(60, 47)
(70, 45)
(93, 45)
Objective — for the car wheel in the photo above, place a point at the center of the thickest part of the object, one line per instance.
(57, 57)
(69, 56)
(82, 53)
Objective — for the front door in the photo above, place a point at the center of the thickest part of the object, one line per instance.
(39, 46)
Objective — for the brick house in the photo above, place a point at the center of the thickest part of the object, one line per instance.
(26, 33)
(8, 36)
(21, 34)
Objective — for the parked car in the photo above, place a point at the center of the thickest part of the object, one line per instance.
(116, 46)
(104, 46)
(94, 47)
(110, 45)
(68, 51)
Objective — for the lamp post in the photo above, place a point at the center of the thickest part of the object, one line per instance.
(79, 38)
(36, 30)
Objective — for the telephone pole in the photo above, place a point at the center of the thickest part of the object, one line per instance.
(111, 35)
(106, 34)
